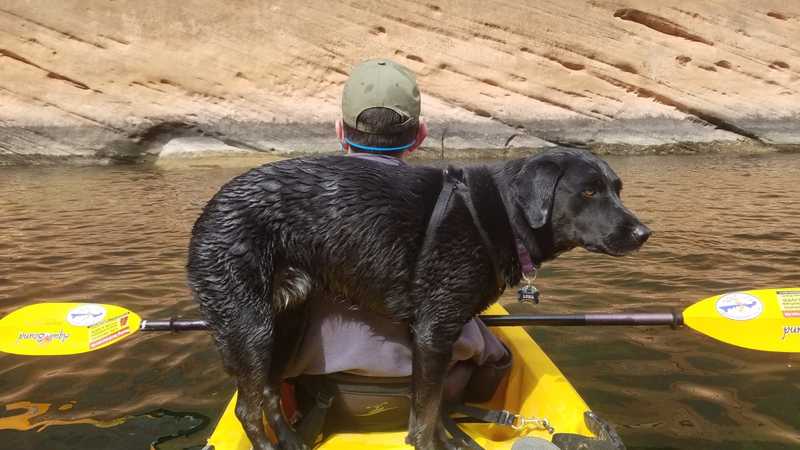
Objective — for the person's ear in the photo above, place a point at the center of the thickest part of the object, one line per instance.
(340, 135)
(422, 133)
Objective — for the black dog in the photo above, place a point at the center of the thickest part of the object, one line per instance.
(373, 234)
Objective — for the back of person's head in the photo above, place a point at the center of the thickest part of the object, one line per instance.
(381, 108)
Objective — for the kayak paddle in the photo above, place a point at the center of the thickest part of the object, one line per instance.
(765, 319)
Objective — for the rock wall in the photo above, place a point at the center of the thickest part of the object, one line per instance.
(117, 81)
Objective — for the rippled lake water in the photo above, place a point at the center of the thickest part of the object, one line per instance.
(119, 235)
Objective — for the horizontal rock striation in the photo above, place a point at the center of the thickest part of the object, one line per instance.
(91, 80)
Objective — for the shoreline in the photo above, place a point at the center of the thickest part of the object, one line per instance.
(491, 139)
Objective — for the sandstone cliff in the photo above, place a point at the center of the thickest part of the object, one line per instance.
(113, 80)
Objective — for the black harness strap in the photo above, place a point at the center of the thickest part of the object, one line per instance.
(474, 414)
(458, 434)
(501, 417)
(440, 209)
(450, 186)
(462, 188)
(311, 426)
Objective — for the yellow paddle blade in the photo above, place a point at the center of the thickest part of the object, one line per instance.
(65, 328)
(765, 319)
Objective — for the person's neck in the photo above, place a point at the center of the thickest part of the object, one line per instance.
(379, 157)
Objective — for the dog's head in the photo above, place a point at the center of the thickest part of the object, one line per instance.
(571, 198)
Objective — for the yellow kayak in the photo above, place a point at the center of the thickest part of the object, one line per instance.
(535, 389)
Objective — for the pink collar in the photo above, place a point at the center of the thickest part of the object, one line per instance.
(525, 261)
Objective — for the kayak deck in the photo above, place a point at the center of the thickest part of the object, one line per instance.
(535, 388)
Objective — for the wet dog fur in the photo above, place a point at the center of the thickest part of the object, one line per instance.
(339, 227)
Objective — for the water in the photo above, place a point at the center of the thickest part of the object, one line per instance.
(119, 235)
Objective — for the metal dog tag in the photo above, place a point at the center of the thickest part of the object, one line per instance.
(528, 294)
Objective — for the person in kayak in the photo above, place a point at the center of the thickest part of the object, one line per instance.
(381, 123)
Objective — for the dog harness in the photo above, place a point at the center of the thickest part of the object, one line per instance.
(453, 183)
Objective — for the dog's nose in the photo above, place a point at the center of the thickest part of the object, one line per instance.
(641, 233)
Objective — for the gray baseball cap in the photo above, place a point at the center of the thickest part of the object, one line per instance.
(380, 83)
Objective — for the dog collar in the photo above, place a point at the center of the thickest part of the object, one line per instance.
(528, 293)
(526, 264)
(378, 158)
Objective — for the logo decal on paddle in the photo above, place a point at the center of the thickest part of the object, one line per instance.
(739, 306)
(86, 315)
(789, 302)
(43, 338)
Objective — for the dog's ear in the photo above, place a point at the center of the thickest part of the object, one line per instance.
(535, 188)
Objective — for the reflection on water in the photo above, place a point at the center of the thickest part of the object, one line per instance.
(160, 429)
(33, 416)
(119, 235)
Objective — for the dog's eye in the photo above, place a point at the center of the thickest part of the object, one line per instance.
(588, 193)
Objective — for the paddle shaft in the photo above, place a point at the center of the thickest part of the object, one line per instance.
(173, 325)
(619, 319)
(513, 320)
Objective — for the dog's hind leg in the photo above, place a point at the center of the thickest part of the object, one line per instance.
(271, 330)
(236, 298)
(246, 352)
(258, 391)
